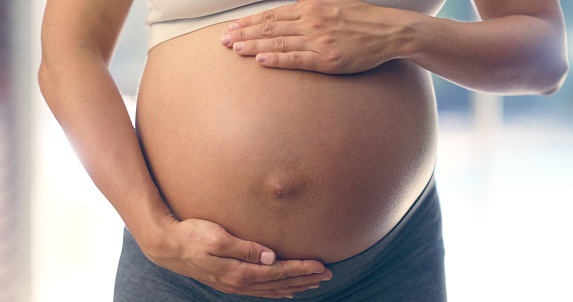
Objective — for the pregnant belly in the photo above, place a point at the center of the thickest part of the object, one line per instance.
(313, 166)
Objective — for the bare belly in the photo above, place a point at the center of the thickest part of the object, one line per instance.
(313, 166)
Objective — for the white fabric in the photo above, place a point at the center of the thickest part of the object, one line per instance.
(171, 18)
(168, 19)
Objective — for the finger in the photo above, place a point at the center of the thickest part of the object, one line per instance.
(295, 282)
(282, 13)
(228, 246)
(279, 293)
(279, 271)
(278, 44)
(246, 276)
(304, 60)
(286, 293)
(267, 294)
(261, 31)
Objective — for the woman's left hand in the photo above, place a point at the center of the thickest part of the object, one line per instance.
(329, 36)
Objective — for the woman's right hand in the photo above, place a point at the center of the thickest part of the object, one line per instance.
(78, 38)
(206, 252)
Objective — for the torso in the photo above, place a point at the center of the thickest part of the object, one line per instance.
(313, 166)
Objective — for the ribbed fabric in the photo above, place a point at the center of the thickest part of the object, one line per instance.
(168, 19)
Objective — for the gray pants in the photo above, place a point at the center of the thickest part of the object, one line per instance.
(405, 265)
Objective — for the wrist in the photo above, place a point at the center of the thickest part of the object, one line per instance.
(148, 219)
(431, 39)
(156, 238)
(417, 35)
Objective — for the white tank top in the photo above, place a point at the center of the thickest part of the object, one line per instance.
(168, 19)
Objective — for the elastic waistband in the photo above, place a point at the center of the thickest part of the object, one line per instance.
(160, 32)
(374, 250)
(348, 272)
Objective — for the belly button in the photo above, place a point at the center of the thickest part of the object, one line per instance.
(280, 191)
(283, 187)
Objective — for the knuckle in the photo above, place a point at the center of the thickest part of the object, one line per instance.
(284, 271)
(315, 24)
(335, 11)
(249, 252)
(237, 284)
(240, 34)
(245, 22)
(269, 16)
(333, 58)
(280, 44)
(296, 59)
(332, 61)
(216, 243)
(326, 40)
(267, 29)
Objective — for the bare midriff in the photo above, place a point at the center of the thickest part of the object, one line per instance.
(313, 166)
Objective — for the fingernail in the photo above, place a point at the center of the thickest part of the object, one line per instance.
(267, 258)
(325, 279)
(290, 297)
(261, 58)
(313, 286)
(225, 38)
(238, 46)
(233, 26)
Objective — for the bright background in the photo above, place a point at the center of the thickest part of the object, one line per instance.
(505, 178)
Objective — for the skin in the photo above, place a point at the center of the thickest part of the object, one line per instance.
(520, 50)
(81, 35)
(322, 171)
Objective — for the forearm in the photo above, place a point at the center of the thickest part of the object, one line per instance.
(84, 99)
(516, 54)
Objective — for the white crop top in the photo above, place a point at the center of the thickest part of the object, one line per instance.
(168, 19)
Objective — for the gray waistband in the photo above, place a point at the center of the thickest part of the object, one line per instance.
(349, 272)
(391, 267)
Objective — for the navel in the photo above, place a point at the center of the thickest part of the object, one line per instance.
(284, 185)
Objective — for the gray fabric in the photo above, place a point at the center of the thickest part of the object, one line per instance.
(405, 265)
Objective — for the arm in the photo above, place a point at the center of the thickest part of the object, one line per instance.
(520, 48)
(79, 90)
(78, 38)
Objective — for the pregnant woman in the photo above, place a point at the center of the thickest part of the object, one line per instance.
(314, 176)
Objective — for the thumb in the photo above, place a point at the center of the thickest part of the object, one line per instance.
(247, 251)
